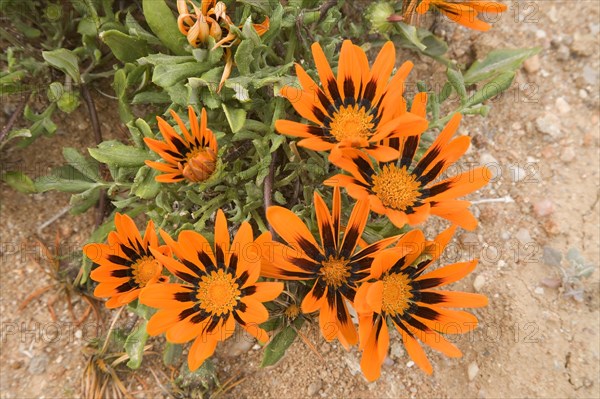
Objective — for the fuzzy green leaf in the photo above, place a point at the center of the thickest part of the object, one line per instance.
(19, 181)
(275, 350)
(163, 23)
(124, 47)
(134, 345)
(492, 88)
(497, 62)
(88, 167)
(64, 60)
(115, 153)
(235, 116)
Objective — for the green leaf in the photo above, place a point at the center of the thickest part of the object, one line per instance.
(19, 181)
(65, 179)
(172, 354)
(83, 201)
(243, 56)
(125, 48)
(134, 345)
(117, 154)
(492, 88)
(144, 184)
(275, 350)
(88, 167)
(456, 80)
(168, 75)
(235, 116)
(163, 23)
(497, 62)
(64, 60)
(409, 32)
(18, 133)
(151, 97)
(141, 310)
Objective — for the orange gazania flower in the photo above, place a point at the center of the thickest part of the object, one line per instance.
(211, 19)
(334, 266)
(125, 265)
(220, 288)
(465, 12)
(398, 291)
(359, 108)
(404, 192)
(192, 157)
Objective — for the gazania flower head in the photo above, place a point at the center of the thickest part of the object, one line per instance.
(126, 264)
(358, 108)
(192, 157)
(333, 267)
(465, 12)
(211, 20)
(405, 192)
(219, 289)
(399, 291)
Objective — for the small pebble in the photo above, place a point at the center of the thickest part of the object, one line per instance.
(548, 124)
(583, 94)
(539, 290)
(543, 207)
(523, 236)
(568, 154)
(410, 364)
(472, 371)
(562, 105)
(478, 283)
(388, 362)
(78, 334)
(532, 65)
(38, 364)
(314, 388)
(563, 53)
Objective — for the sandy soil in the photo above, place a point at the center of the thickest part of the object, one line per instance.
(542, 138)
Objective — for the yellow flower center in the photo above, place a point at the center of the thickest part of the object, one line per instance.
(292, 311)
(200, 164)
(335, 272)
(351, 123)
(395, 187)
(218, 292)
(396, 293)
(144, 270)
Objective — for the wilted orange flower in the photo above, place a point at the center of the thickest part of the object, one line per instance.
(220, 288)
(192, 157)
(465, 12)
(125, 265)
(211, 19)
(406, 193)
(359, 108)
(333, 267)
(398, 291)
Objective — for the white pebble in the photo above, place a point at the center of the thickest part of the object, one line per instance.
(472, 371)
(478, 283)
(539, 290)
(410, 364)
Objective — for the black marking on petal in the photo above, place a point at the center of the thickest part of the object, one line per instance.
(411, 143)
(118, 260)
(431, 297)
(206, 261)
(432, 174)
(197, 319)
(315, 130)
(192, 266)
(428, 283)
(249, 290)
(351, 237)
(426, 160)
(121, 273)
(214, 321)
(127, 286)
(437, 189)
(179, 144)
(183, 296)
(309, 248)
(333, 90)
(348, 87)
(370, 90)
(184, 314)
(130, 253)
(319, 289)
(233, 262)
(243, 278)
(416, 323)
(237, 318)
(342, 314)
